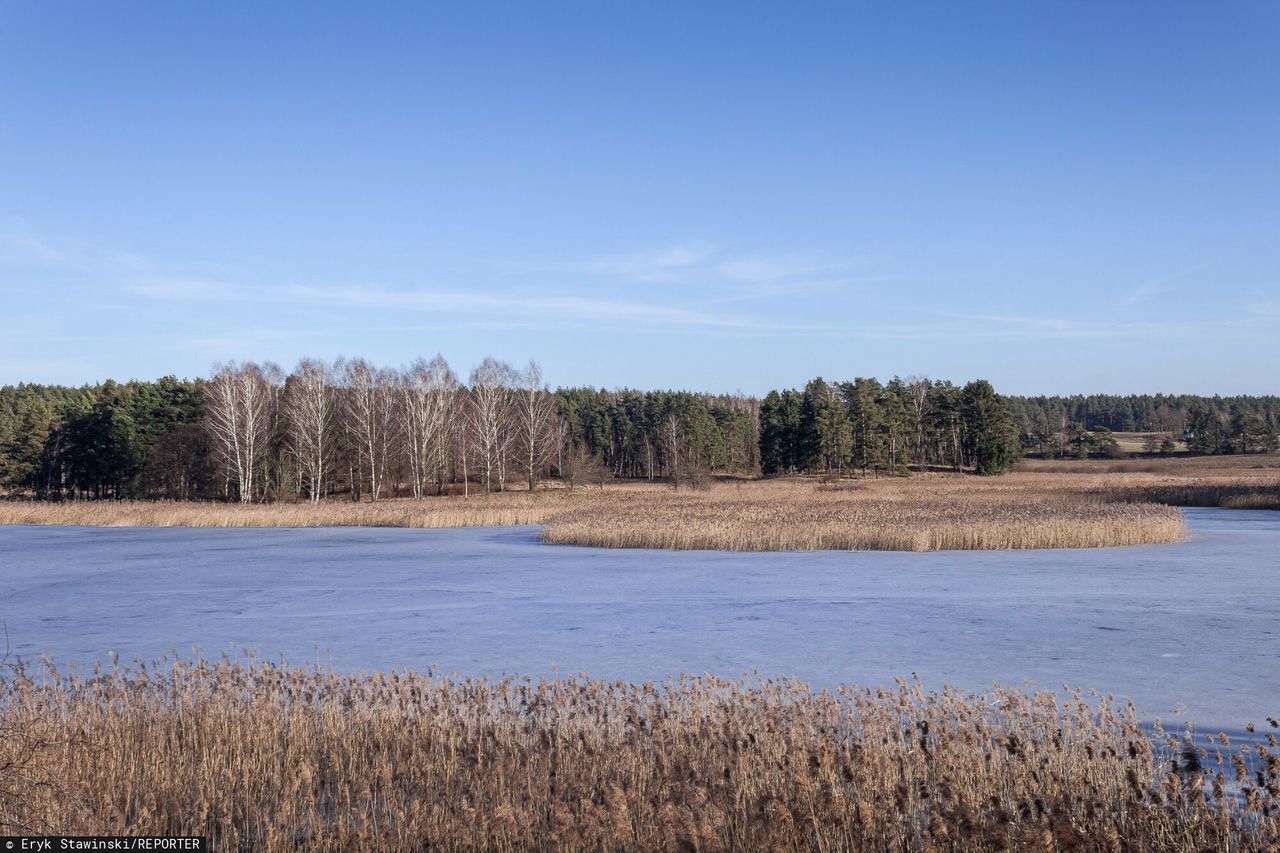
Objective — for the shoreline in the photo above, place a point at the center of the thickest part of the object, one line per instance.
(923, 513)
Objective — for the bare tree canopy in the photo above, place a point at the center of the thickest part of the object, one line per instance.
(535, 413)
(370, 419)
(492, 392)
(239, 414)
(427, 390)
(309, 420)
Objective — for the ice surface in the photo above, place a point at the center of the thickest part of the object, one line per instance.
(1195, 623)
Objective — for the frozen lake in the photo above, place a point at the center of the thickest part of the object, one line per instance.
(1196, 623)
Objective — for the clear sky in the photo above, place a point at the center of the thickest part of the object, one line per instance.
(1060, 197)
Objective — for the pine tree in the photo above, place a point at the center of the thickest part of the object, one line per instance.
(773, 435)
(861, 398)
(1204, 429)
(990, 439)
(896, 417)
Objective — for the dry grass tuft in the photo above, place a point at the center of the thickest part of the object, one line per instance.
(265, 757)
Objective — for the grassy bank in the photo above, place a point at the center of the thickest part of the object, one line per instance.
(497, 510)
(273, 758)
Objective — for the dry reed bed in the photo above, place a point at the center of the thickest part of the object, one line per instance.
(1233, 482)
(1203, 494)
(265, 757)
(1254, 465)
(503, 509)
(921, 514)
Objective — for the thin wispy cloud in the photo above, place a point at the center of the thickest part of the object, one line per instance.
(1151, 288)
(534, 311)
(1013, 325)
(554, 307)
(20, 245)
(662, 264)
(763, 268)
(703, 263)
(788, 291)
(747, 278)
(1263, 302)
(135, 277)
(745, 301)
(531, 309)
(188, 290)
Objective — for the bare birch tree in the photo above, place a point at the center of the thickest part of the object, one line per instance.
(426, 396)
(673, 437)
(370, 419)
(309, 415)
(238, 415)
(462, 434)
(534, 412)
(562, 436)
(918, 395)
(491, 387)
(276, 455)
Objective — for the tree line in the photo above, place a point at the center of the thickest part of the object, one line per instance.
(253, 432)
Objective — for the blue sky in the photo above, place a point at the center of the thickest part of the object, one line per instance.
(1061, 197)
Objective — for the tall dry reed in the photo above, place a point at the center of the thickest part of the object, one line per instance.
(921, 514)
(260, 756)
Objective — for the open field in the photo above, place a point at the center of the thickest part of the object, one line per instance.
(267, 757)
(1138, 442)
(1044, 504)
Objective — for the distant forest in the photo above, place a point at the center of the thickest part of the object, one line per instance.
(254, 432)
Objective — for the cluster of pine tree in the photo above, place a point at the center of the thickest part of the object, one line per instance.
(1240, 430)
(139, 439)
(874, 428)
(662, 434)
